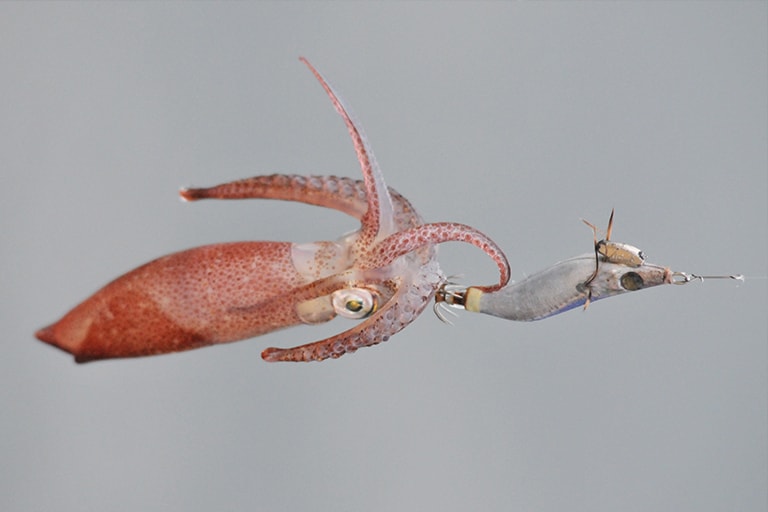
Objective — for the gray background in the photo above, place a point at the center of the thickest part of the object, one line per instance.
(515, 118)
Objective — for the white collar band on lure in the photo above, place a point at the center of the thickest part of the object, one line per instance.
(564, 286)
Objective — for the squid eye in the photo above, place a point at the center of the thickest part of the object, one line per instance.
(632, 281)
(354, 302)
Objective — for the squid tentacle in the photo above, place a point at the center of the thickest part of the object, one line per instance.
(378, 220)
(403, 242)
(338, 193)
(410, 299)
(346, 195)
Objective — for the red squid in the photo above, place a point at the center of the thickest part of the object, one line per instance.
(384, 274)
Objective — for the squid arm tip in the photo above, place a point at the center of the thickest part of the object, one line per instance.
(271, 354)
(187, 194)
(278, 355)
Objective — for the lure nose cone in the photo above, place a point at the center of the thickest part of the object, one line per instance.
(654, 275)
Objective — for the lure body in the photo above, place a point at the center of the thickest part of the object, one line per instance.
(562, 287)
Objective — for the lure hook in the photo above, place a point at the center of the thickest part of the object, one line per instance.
(685, 277)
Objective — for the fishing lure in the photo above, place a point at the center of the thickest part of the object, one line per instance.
(561, 287)
(614, 269)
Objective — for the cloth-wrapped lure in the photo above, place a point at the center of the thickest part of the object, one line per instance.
(383, 274)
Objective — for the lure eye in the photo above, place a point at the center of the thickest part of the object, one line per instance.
(632, 281)
(354, 303)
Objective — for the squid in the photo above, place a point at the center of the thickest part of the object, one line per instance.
(384, 274)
